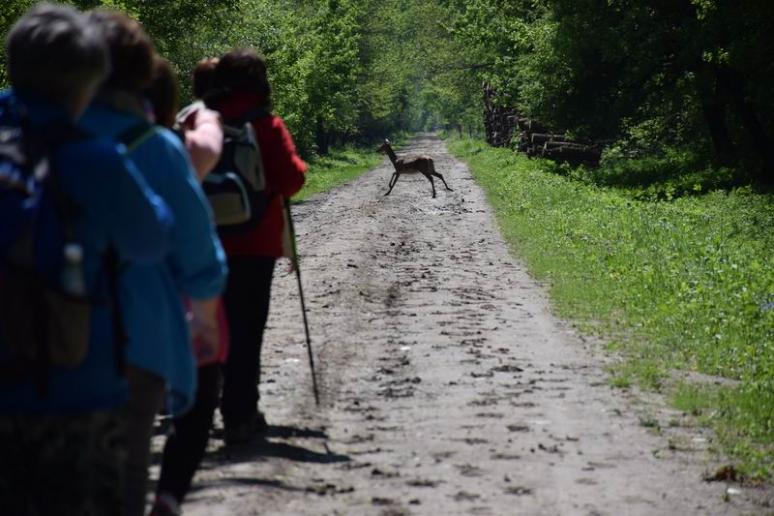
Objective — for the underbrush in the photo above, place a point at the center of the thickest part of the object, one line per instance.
(666, 177)
(673, 281)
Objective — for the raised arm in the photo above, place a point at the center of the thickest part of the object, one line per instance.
(203, 139)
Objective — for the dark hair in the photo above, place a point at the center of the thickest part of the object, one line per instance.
(131, 51)
(242, 71)
(204, 77)
(163, 92)
(55, 52)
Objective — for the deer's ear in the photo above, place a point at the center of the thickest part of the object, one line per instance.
(386, 141)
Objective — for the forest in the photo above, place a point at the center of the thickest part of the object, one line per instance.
(661, 110)
(683, 82)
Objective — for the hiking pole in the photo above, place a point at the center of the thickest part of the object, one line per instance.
(294, 259)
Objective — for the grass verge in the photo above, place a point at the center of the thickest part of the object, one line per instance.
(683, 283)
(340, 166)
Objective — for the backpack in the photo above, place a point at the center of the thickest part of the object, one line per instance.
(236, 187)
(45, 315)
(135, 135)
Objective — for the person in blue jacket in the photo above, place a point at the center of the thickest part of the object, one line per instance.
(62, 451)
(159, 353)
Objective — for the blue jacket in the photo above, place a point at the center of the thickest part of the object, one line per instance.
(114, 206)
(195, 266)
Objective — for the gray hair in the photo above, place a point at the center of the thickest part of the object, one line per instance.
(55, 52)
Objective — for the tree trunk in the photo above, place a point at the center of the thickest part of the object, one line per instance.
(715, 117)
(714, 108)
(762, 144)
(322, 139)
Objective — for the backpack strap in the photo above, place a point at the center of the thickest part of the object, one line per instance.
(135, 135)
(38, 149)
(41, 153)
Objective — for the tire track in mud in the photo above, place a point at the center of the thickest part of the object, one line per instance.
(447, 385)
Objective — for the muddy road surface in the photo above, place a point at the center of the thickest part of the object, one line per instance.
(447, 385)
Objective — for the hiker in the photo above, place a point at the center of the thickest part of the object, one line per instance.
(186, 444)
(203, 139)
(161, 365)
(244, 92)
(62, 391)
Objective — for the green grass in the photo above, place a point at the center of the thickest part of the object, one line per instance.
(677, 282)
(340, 166)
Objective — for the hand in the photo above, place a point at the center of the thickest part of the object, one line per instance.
(207, 341)
(291, 267)
(204, 329)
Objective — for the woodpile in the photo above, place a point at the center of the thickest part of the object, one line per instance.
(536, 141)
(505, 127)
(500, 121)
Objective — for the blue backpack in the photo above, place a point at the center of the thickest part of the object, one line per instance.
(45, 311)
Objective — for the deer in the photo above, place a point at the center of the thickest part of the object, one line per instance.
(411, 165)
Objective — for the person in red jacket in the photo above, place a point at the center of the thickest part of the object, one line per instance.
(240, 77)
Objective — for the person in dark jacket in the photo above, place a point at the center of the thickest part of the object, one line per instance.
(62, 451)
(241, 77)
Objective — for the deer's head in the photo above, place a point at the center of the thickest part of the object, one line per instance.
(383, 147)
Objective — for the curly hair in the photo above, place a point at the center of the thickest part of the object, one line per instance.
(131, 51)
(203, 77)
(243, 70)
(163, 92)
(55, 52)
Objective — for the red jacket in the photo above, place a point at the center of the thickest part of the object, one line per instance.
(284, 177)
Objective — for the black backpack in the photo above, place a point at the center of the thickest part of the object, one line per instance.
(236, 187)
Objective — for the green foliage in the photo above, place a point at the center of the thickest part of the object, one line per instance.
(694, 75)
(341, 70)
(9, 13)
(686, 283)
(660, 239)
(691, 73)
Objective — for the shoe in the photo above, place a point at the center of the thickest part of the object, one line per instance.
(165, 505)
(260, 426)
(238, 434)
(241, 433)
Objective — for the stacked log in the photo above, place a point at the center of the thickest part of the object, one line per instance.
(537, 142)
(500, 120)
(506, 127)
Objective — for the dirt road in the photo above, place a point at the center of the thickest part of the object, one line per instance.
(447, 385)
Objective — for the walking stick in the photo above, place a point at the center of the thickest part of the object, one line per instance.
(294, 259)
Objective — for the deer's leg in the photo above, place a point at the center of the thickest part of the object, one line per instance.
(432, 183)
(393, 180)
(436, 174)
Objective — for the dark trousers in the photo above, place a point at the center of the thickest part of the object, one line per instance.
(62, 465)
(247, 307)
(146, 397)
(185, 447)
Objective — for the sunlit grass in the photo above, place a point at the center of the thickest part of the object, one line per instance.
(682, 283)
(341, 166)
